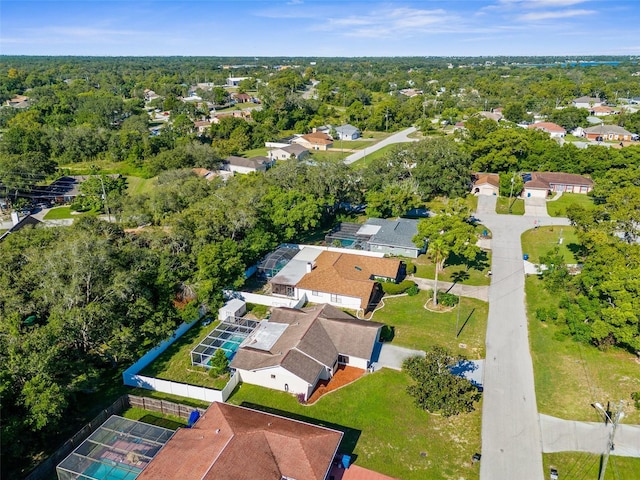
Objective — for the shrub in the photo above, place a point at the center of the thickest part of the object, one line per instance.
(413, 290)
(635, 396)
(547, 314)
(387, 333)
(219, 363)
(411, 268)
(447, 299)
(391, 288)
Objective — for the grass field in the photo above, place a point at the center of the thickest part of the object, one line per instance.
(517, 207)
(59, 213)
(455, 270)
(383, 428)
(558, 208)
(418, 328)
(539, 241)
(256, 152)
(154, 418)
(175, 363)
(104, 167)
(570, 376)
(139, 185)
(577, 465)
(370, 157)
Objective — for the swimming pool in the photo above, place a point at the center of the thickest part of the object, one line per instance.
(101, 471)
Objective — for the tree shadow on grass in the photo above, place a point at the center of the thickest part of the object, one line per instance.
(577, 250)
(161, 422)
(349, 439)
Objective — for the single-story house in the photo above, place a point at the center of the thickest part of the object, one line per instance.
(204, 173)
(485, 184)
(246, 165)
(607, 132)
(314, 141)
(288, 152)
(539, 184)
(235, 81)
(602, 111)
(411, 92)
(495, 116)
(553, 129)
(19, 101)
(202, 126)
(587, 102)
(341, 279)
(230, 441)
(241, 97)
(297, 348)
(150, 95)
(391, 237)
(347, 132)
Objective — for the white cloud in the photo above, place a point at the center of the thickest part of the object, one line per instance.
(541, 3)
(551, 15)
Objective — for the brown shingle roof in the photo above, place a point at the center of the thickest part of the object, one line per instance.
(314, 337)
(348, 274)
(546, 179)
(230, 442)
(489, 178)
(548, 127)
(318, 138)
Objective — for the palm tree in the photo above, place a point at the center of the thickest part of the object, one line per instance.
(439, 250)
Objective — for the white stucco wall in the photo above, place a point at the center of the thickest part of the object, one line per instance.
(264, 378)
(486, 189)
(534, 193)
(362, 363)
(323, 297)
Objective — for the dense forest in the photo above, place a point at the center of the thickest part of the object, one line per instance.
(80, 303)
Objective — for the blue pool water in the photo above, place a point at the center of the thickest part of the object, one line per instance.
(101, 471)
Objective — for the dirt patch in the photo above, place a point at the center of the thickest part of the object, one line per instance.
(343, 376)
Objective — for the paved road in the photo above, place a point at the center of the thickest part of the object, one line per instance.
(400, 137)
(511, 438)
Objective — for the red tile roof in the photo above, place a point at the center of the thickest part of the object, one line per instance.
(230, 442)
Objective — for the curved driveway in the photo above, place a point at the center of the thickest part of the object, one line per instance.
(400, 137)
(511, 439)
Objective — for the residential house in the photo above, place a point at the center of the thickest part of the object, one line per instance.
(150, 95)
(297, 348)
(202, 126)
(496, 117)
(230, 441)
(604, 132)
(602, 111)
(246, 165)
(411, 92)
(241, 97)
(314, 141)
(587, 102)
(204, 173)
(288, 152)
(485, 184)
(235, 81)
(347, 132)
(539, 184)
(390, 237)
(554, 130)
(19, 101)
(342, 279)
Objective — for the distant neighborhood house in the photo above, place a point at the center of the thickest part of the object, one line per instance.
(587, 102)
(246, 165)
(608, 132)
(485, 184)
(554, 130)
(314, 141)
(287, 152)
(347, 132)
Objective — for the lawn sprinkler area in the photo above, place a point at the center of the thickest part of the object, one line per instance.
(227, 336)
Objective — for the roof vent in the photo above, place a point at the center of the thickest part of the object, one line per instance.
(217, 430)
(358, 268)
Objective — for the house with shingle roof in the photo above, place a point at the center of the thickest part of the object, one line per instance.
(347, 132)
(246, 165)
(539, 184)
(485, 184)
(587, 102)
(297, 348)
(347, 280)
(553, 129)
(604, 132)
(314, 141)
(230, 441)
(288, 152)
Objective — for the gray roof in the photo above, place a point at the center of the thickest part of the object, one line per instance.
(394, 233)
(294, 148)
(586, 99)
(606, 129)
(255, 162)
(347, 129)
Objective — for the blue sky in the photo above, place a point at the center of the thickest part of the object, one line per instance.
(320, 28)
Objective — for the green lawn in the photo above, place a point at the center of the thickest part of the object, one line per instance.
(139, 185)
(59, 213)
(416, 327)
(577, 465)
(455, 270)
(570, 376)
(517, 206)
(370, 157)
(383, 428)
(539, 241)
(175, 363)
(558, 208)
(103, 167)
(154, 418)
(327, 155)
(256, 152)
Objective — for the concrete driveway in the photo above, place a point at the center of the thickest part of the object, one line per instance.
(400, 137)
(535, 207)
(392, 356)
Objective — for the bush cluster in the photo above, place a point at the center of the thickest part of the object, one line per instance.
(447, 299)
(391, 288)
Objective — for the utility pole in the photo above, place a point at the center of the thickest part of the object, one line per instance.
(458, 317)
(513, 179)
(104, 195)
(617, 416)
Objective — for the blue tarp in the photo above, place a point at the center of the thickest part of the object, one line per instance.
(346, 461)
(193, 418)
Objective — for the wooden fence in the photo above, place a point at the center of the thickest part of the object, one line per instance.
(46, 469)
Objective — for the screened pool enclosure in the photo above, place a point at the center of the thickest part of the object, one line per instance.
(227, 337)
(118, 450)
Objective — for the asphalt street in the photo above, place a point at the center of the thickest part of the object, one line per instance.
(511, 438)
(400, 137)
